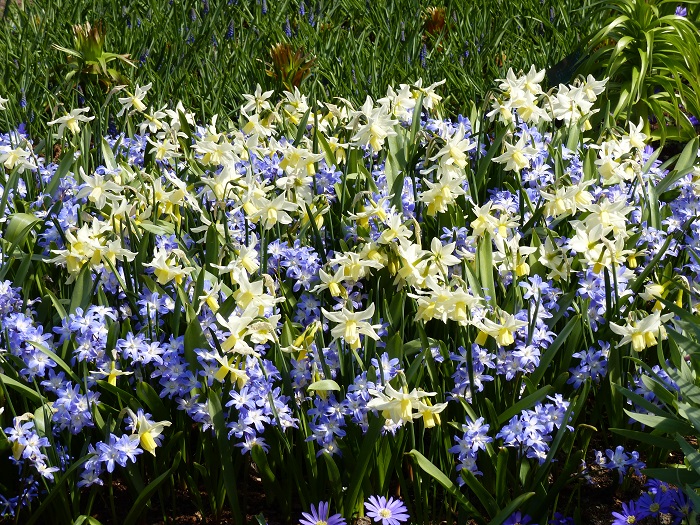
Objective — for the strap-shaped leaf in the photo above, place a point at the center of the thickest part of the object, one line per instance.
(510, 508)
(427, 466)
(145, 496)
(55, 490)
(361, 464)
(225, 450)
(22, 389)
(645, 437)
(524, 404)
(324, 385)
(665, 424)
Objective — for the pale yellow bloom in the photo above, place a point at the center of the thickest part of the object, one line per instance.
(71, 121)
(399, 405)
(166, 268)
(642, 333)
(134, 100)
(517, 156)
(147, 432)
(350, 325)
(503, 330)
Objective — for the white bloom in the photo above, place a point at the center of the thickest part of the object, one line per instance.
(134, 100)
(352, 324)
(398, 406)
(516, 156)
(97, 189)
(642, 333)
(592, 87)
(71, 121)
(256, 102)
(17, 157)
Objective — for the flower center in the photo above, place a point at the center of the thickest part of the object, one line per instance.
(385, 513)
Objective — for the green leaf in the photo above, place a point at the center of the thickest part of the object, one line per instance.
(126, 398)
(692, 456)
(268, 477)
(361, 463)
(145, 495)
(664, 424)
(213, 250)
(511, 508)
(415, 126)
(484, 496)
(55, 492)
(194, 338)
(502, 476)
(645, 437)
(87, 520)
(675, 475)
(42, 419)
(523, 404)
(484, 267)
(330, 157)
(225, 451)
(163, 228)
(324, 385)
(19, 226)
(427, 466)
(333, 475)
(551, 352)
(20, 388)
(318, 241)
(82, 290)
(9, 186)
(395, 168)
(485, 162)
(60, 362)
(643, 403)
(301, 129)
(684, 165)
(150, 397)
(63, 168)
(108, 155)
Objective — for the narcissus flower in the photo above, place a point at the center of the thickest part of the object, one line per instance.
(134, 100)
(71, 121)
(166, 269)
(517, 156)
(352, 324)
(148, 431)
(399, 405)
(502, 330)
(642, 333)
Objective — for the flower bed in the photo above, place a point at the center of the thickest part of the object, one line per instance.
(351, 303)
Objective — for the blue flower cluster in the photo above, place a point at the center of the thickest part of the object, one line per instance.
(593, 364)
(620, 460)
(659, 499)
(532, 431)
(117, 450)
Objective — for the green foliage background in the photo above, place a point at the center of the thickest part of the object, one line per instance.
(208, 53)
